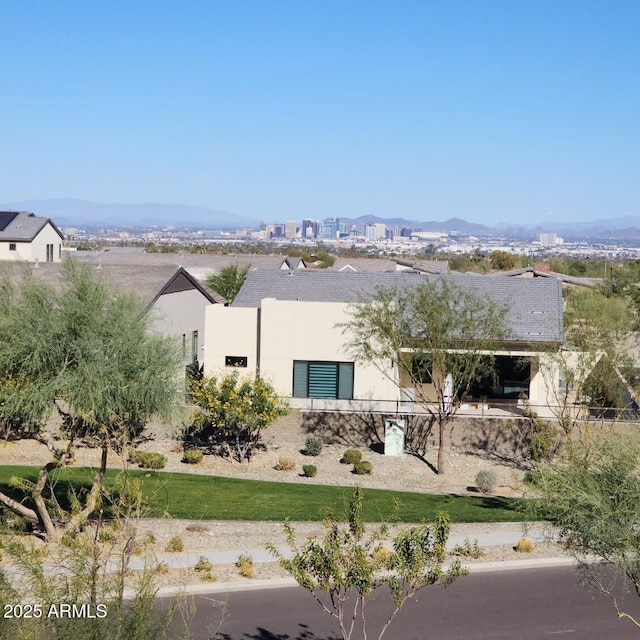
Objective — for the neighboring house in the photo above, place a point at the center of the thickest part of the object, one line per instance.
(422, 266)
(293, 262)
(175, 299)
(542, 270)
(284, 325)
(29, 238)
(179, 310)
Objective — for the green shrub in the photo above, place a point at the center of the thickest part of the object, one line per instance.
(151, 460)
(351, 456)
(309, 470)
(134, 456)
(192, 456)
(313, 446)
(486, 481)
(468, 549)
(363, 468)
(175, 545)
(285, 464)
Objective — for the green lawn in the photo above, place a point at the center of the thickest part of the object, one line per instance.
(183, 495)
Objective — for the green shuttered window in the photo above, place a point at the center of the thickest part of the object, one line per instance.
(313, 379)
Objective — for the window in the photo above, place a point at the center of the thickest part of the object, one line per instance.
(12, 246)
(194, 346)
(316, 379)
(235, 361)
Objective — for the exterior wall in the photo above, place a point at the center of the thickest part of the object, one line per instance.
(289, 331)
(293, 330)
(39, 244)
(230, 331)
(182, 313)
(22, 252)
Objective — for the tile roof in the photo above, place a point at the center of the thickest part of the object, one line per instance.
(534, 306)
(23, 226)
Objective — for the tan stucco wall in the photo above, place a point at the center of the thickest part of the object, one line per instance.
(289, 330)
(230, 331)
(293, 330)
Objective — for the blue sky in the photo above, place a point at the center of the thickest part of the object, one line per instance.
(486, 110)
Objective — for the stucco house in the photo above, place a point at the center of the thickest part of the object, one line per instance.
(285, 325)
(29, 238)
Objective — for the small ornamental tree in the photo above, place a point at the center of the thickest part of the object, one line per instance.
(347, 566)
(437, 336)
(234, 411)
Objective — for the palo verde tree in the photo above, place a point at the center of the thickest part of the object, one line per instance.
(344, 569)
(85, 353)
(593, 500)
(437, 335)
(228, 281)
(234, 410)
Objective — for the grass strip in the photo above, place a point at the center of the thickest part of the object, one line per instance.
(189, 496)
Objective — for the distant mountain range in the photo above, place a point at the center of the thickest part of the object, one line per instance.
(67, 212)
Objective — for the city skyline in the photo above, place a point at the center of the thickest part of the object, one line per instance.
(490, 112)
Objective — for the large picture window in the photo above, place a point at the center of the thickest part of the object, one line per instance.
(321, 379)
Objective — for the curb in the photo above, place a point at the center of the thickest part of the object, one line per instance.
(281, 583)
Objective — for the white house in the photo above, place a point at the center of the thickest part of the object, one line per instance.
(27, 237)
(286, 326)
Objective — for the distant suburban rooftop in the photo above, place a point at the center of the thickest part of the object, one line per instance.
(591, 283)
(146, 282)
(534, 306)
(22, 226)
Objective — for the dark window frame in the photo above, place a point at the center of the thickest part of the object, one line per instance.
(238, 362)
(13, 246)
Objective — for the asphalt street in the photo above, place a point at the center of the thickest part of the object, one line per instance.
(527, 604)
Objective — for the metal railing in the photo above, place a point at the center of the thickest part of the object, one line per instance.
(490, 408)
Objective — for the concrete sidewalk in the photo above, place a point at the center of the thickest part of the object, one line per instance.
(189, 559)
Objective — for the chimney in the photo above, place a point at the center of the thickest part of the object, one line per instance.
(541, 267)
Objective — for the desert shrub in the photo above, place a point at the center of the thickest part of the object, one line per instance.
(381, 555)
(351, 456)
(204, 569)
(162, 569)
(196, 527)
(245, 565)
(468, 549)
(148, 460)
(525, 545)
(285, 464)
(202, 565)
(309, 470)
(134, 456)
(313, 446)
(486, 481)
(149, 540)
(541, 439)
(175, 545)
(363, 468)
(192, 456)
